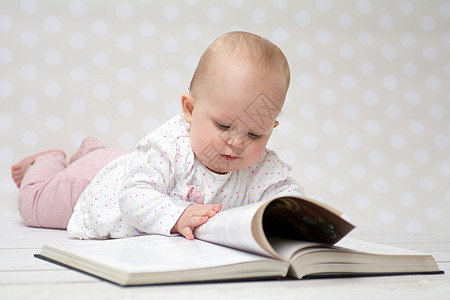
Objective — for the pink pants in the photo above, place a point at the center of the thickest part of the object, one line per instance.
(51, 188)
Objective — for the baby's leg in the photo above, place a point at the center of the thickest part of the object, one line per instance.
(88, 145)
(18, 170)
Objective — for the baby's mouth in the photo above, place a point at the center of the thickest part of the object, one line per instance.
(228, 157)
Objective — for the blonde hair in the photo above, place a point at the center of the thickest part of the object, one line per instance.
(267, 61)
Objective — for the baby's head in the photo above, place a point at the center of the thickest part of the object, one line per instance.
(236, 94)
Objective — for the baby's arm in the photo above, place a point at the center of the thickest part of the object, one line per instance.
(194, 216)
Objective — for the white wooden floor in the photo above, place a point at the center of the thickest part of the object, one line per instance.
(24, 277)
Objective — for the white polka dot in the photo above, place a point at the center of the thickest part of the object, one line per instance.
(402, 170)
(441, 140)
(307, 111)
(280, 35)
(408, 199)
(390, 82)
(77, 41)
(77, 8)
(215, 14)
(362, 202)
(421, 156)
(324, 37)
(302, 18)
(29, 105)
(394, 112)
(304, 49)
(192, 31)
(433, 83)
(376, 157)
(53, 123)
(125, 42)
(259, 16)
(373, 127)
(5, 88)
(147, 29)
(191, 62)
(347, 51)
(313, 172)
(367, 68)
(337, 187)
(6, 155)
(148, 93)
(127, 140)
(345, 20)
(433, 213)
(370, 98)
(351, 112)
(444, 168)
(407, 39)
(327, 97)
(325, 67)
(5, 55)
(149, 124)
(285, 127)
(6, 122)
(124, 10)
(126, 108)
(397, 141)
(29, 72)
(413, 98)
(171, 44)
(288, 156)
(333, 157)
(100, 27)
(304, 80)
(430, 53)
(426, 184)
(125, 75)
(100, 59)
(78, 107)
(171, 76)
(330, 127)
(30, 139)
(53, 90)
(101, 124)
(410, 69)
(405, 7)
(28, 6)
(428, 23)
(386, 216)
(348, 82)
(52, 25)
(7, 187)
(386, 22)
(78, 74)
(29, 38)
(101, 91)
(5, 22)
(365, 38)
(52, 57)
(416, 127)
(310, 141)
(354, 142)
(323, 5)
(171, 12)
(364, 6)
(358, 172)
(413, 227)
(388, 52)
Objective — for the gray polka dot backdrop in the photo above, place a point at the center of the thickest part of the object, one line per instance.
(366, 123)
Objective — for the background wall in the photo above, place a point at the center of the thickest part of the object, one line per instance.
(366, 125)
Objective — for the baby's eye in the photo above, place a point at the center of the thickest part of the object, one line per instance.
(222, 126)
(253, 135)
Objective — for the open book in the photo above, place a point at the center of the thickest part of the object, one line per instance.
(295, 237)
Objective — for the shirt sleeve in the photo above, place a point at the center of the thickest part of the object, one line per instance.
(144, 198)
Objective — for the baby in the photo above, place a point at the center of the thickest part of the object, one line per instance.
(213, 156)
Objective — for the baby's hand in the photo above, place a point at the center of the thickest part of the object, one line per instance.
(194, 216)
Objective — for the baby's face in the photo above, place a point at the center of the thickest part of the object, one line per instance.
(231, 123)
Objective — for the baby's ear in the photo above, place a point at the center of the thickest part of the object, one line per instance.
(187, 104)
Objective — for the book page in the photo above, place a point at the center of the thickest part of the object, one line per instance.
(233, 228)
